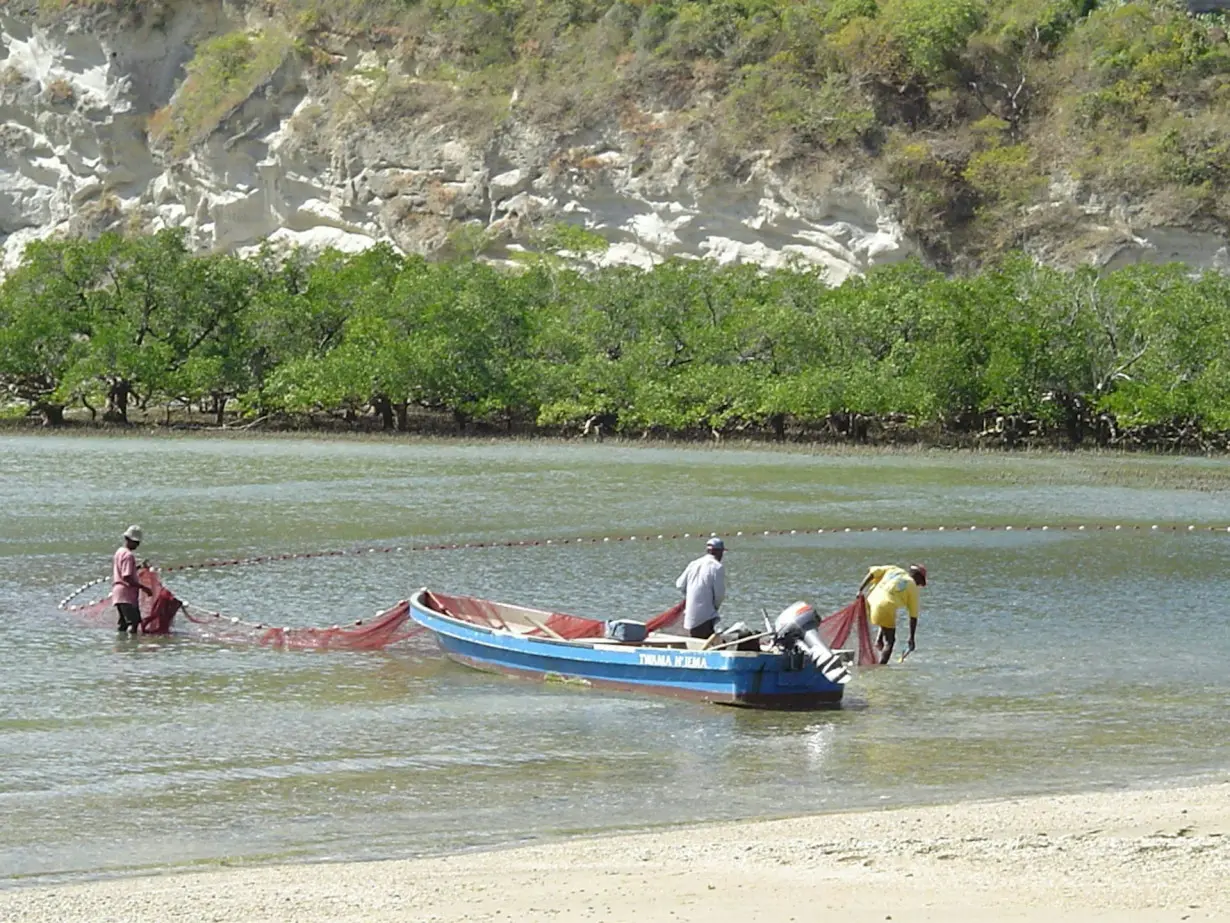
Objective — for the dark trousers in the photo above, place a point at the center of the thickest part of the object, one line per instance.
(885, 643)
(130, 616)
(704, 629)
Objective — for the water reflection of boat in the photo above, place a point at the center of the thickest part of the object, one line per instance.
(786, 666)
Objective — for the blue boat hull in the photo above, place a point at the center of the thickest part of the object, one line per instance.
(756, 680)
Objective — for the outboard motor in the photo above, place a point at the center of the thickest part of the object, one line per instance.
(798, 628)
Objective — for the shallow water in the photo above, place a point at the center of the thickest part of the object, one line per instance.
(1047, 661)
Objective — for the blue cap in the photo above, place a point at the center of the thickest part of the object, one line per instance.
(716, 543)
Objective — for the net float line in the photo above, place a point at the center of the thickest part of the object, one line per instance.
(674, 536)
(64, 604)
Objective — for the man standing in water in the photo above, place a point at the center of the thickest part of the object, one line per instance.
(893, 589)
(703, 584)
(126, 590)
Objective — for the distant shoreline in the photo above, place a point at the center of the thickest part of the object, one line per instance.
(904, 442)
(1156, 854)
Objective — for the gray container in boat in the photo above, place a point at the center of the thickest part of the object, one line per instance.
(626, 630)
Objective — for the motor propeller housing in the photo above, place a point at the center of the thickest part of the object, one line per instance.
(798, 627)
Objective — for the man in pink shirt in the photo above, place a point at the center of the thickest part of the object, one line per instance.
(126, 590)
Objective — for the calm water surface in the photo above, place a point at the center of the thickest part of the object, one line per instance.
(1047, 661)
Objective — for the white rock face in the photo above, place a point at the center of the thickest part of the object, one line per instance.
(73, 112)
(1199, 249)
(72, 117)
(75, 157)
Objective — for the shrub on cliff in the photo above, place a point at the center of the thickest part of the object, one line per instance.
(972, 112)
(222, 76)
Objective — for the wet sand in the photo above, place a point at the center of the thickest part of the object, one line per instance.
(1132, 856)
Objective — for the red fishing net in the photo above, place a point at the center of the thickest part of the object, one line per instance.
(385, 628)
(836, 629)
(575, 626)
(553, 624)
(159, 607)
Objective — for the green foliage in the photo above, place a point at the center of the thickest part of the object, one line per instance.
(1146, 105)
(1195, 154)
(46, 309)
(688, 347)
(965, 109)
(1022, 23)
(468, 241)
(653, 25)
(932, 190)
(770, 102)
(571, 238)
(721, 30)
(931, 33)
(1004, 174)
(841, 12)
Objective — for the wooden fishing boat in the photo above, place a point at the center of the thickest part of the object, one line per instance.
(786, 666)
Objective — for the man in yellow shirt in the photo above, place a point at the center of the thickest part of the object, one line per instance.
(889, 590)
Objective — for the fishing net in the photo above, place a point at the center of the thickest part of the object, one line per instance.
(575, 626)
(385, 628)
(556, 624)
(835, 631)
(160, 606)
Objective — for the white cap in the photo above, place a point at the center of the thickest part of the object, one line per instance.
(133, 533)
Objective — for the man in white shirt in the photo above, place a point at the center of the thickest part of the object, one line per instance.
(703, 584)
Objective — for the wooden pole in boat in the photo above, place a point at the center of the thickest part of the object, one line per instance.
(541, 626)
(726, 644)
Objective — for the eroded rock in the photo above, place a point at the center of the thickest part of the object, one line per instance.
(312, 159)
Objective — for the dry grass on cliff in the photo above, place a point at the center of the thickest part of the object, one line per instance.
(224, 74)
(971, 112)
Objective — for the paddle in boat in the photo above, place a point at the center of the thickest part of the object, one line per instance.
(785, 666)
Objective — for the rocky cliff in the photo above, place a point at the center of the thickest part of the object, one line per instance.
(109, 119)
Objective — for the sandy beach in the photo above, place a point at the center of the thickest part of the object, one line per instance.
(1136, 855)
